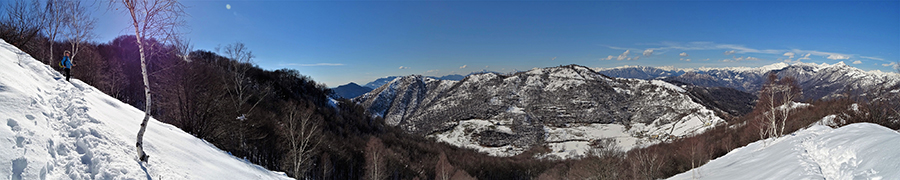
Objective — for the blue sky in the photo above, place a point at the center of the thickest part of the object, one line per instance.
(359, 41)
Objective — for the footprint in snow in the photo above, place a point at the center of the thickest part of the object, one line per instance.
(18, 166)
(13, 125)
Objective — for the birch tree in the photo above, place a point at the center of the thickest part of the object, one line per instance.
(80, 26)
(443, 170)
(301, 127)
(55, 19)
(152, 19)
(776, 99)
(375, 153)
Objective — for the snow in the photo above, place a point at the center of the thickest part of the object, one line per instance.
(855, 151)
(563, 84)
(574, 142)
(794, 105)
(667, 85)
(566, 73)
(517, 110)
(465, 132)
(60, 130)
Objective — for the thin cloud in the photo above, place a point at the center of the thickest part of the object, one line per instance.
(892, 64)
(554, 58)
(805, 57)
(742, 58)
(623, 56)
(683, 54)
(790, 55)
(872, 58)
(837, 57)
(616, 48)
(403, 67)
(857, 62)
(683, 59)
(828, 55)
(741, 49)
(610, 57)
(310, 65)
(648, 52)
(431, 71)
(464, 66)
(713, 46)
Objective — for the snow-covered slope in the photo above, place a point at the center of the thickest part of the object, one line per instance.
(855, 151)
(55, 129)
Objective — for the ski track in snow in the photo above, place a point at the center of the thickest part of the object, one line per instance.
(70, 130)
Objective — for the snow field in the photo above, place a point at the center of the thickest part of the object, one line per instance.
(463, 135)
(60, 130)
(855, 151)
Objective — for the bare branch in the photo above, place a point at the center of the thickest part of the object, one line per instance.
(80, 25)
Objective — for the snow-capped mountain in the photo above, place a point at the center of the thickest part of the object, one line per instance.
(56, 129)
(855, 151)
(381, 81)
(639, 72)
(817, 80)
(565, 108)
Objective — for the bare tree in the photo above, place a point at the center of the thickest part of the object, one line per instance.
(302, 129)
(443, 170)
(374, 159)
(183, 48)
(152, 19)
(646, 164)
(55, 19)
(241, 59)
(80, 25)
(776, 99)
(22, 23)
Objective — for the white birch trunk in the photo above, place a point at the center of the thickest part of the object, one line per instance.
(140, 136)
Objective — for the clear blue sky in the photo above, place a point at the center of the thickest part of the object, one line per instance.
(340, 42)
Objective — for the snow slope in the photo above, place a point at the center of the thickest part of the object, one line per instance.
(855, 151)
(60, 130)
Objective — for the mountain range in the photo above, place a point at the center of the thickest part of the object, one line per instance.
(565, 108)
(352, 90)
(568, 109)
(818, 81)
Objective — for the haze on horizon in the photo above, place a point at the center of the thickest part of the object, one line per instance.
(359, 41)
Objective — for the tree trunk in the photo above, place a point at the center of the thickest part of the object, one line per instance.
(140, 136)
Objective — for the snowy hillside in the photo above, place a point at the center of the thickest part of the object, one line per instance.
(855, 151)
(565, 108)
(60, 130)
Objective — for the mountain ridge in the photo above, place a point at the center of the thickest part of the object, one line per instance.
(817, 80)
(505, 114)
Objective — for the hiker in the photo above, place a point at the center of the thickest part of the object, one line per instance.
(66, 64)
